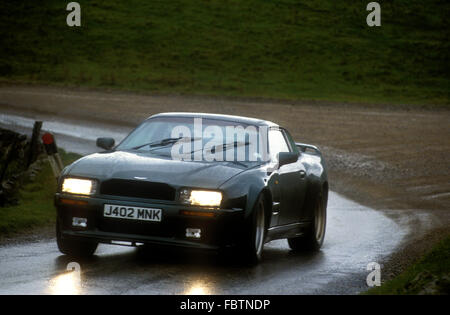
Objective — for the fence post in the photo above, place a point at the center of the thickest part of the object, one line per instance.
(32, 154)
(52, 153)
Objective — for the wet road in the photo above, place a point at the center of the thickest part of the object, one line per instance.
(78, 137)
(356, 235)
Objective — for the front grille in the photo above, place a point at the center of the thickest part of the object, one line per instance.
(138, 189)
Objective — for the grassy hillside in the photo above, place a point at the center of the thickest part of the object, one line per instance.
(321, 49)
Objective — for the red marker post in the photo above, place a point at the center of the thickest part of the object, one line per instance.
(52, 153)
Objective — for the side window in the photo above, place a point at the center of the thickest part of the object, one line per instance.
(277, 143)
(291, 142)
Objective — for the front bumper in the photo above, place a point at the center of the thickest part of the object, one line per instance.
(222, 228)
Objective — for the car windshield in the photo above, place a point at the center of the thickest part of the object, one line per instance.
(189, 138)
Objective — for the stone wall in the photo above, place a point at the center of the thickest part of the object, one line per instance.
(16, 167)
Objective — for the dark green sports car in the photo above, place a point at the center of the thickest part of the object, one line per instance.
(195, 180)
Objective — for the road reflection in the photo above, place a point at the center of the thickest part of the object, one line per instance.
(175, 271)
(198, 287)
(68, 283)
(355, 236)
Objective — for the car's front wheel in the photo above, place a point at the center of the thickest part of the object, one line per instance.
(313, 238)
(253, 243)
(74, 247)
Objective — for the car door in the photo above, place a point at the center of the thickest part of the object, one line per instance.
(301, 187)
(291, 179)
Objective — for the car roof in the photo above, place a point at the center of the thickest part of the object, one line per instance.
(232, 118)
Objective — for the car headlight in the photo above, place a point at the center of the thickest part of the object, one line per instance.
(79, 186)
(201, 197)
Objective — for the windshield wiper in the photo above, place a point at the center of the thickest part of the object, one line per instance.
(226, 146)
(158, 143)
(164, 142)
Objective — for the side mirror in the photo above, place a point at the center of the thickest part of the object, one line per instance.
(287, 158)
(105, 143)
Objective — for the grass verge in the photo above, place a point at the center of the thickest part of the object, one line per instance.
(289, 49)
(35, 208)
(429, 275)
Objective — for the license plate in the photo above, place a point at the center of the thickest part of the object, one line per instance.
(132, 213)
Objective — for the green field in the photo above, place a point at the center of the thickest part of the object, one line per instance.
(35, 206)
(290, 49)
(429, 275)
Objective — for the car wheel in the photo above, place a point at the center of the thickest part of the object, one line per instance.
(255, 233)
(74, 247)
(312, 240)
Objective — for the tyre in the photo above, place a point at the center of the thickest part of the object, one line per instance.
(74, 247)
(255, 234)
(313, 238)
